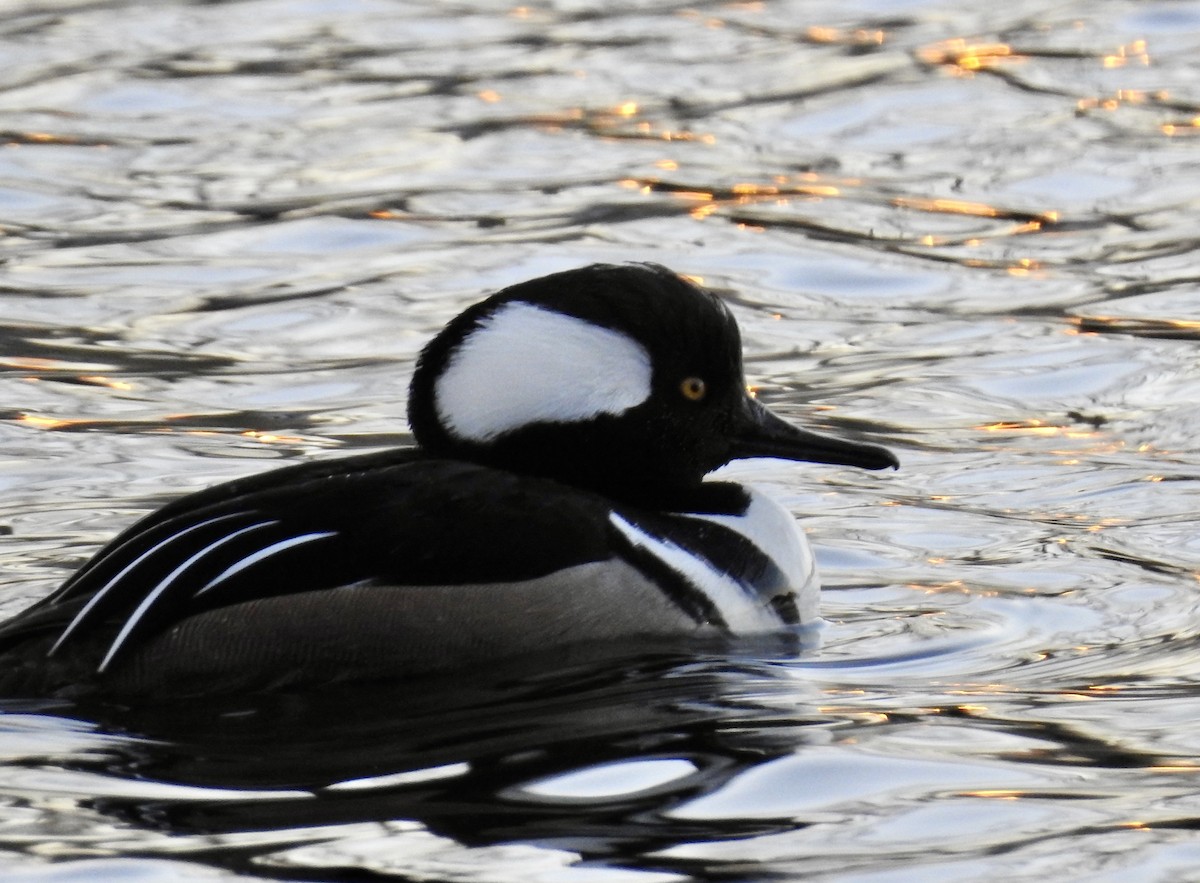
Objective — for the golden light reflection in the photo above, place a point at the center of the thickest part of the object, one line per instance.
(785, 190)
(491, 96)
(34, 363)
(965, 59)
(615, 122)
(866, 717)
(954, 586)
(996, 793)
(1023, 267)
(38, 422)
(1191, 127)
(98, 380)
(1130, 52)
(780, 193)
(1138, 326)
(1140, 97)
(973, 710)
(13, 139)
(1121, 97)
(1034, 426)
(1026, 222)
(948, 206)
(856, 37)
(270, 437)
(754, 190)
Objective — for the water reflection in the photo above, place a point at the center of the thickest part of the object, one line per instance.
(668, 765)
(577, 760)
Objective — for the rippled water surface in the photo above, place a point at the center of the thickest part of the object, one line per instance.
(968, 231)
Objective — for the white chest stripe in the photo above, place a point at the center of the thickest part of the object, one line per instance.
(524, 364)
(770, 527)
(742, 611)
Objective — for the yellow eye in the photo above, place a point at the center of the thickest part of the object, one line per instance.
(693, 389)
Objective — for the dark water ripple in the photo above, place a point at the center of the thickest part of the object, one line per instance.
(970, 231)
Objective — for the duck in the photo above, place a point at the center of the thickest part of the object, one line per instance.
(557, 496)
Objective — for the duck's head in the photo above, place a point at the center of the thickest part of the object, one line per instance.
(616, 378)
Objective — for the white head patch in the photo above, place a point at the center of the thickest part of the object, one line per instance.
(524, 364)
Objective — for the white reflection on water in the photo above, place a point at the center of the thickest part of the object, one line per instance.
(969, 232)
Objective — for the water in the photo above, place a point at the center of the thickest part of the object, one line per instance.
(968, 232)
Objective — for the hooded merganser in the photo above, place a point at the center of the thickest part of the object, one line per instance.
(555, 497)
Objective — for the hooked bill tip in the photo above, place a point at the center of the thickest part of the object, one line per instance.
(883, 458)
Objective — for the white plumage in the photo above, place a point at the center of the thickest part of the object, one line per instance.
(524, 364)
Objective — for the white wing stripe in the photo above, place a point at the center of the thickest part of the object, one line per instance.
(742, 612)
(258, 556)
(124, 571)
(166, 582)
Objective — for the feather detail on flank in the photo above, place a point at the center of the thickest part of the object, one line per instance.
(154, 594)
(124, 573)
(261, 554)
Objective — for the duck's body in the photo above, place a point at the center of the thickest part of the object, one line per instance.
(554, 500)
